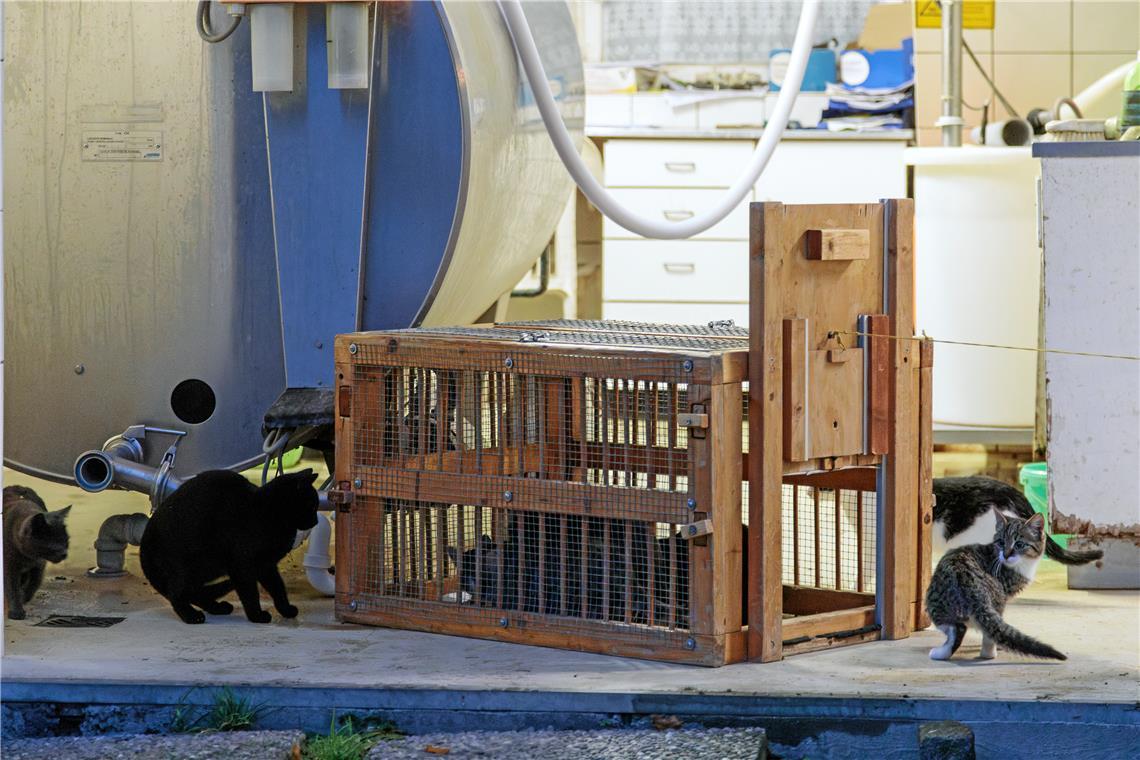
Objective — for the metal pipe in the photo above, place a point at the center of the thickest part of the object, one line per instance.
(543, 277)
(114, 534)
(951, 119)
(97, 471)
(317, 560)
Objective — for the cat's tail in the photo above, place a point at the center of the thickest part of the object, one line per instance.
(1008, 637)
(1055, 551)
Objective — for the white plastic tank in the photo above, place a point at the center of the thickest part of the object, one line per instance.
(978, 280)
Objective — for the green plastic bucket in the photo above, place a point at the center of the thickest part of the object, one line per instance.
(1035, 483)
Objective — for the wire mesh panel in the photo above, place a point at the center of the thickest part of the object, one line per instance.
(571, 489)
(828, 539)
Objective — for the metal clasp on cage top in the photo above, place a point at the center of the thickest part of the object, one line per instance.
(341, 496)
(722, 324)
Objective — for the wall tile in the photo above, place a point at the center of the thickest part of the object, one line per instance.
(928, 87)
(1103, 26)
(1032, 26)
(1089, 67)
(930, 40)
(1031, 80)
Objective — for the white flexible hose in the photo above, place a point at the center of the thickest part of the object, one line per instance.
(592, 189)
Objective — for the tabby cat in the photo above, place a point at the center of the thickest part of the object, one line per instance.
(972, 584)
(219, 524)
(33, 536)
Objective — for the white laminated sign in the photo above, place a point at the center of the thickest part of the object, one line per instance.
(122, 145)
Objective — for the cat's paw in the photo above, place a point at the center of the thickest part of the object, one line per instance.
(940, 653)
(288, 610)
(987, 655)
(220, 608)
(260, 616)
(17, 614)
(193, 617)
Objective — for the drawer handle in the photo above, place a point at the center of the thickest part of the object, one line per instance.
(678, 216)
(687, 268)
(687, 167)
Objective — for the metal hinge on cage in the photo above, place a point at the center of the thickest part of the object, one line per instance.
(341, 496)
(697, 420)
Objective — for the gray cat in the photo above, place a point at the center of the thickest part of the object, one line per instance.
(33, 536)
(972, 584)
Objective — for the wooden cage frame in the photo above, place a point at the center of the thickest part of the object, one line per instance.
(832, 290)
(832, 318)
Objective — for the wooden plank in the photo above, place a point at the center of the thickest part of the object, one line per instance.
(900, 507)
(538, 630)
(441, 351)
(824, 642)
(878, 383)
(796, 373)
(829, 622)
(562, 497)
(804, 600)
(850, 479)
(837, 245)
(765, 415)
(703, 611)
(726, 441)
(925, 480)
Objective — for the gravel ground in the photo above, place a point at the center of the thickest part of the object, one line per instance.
(608, 744)
(232, 745)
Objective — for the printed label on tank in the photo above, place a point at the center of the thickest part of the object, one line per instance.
(122, 145)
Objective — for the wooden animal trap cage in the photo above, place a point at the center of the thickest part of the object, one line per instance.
(590, 485)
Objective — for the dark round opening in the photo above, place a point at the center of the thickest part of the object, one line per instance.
(193, 401)
(93, 471)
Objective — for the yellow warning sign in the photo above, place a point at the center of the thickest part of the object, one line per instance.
(976, 14)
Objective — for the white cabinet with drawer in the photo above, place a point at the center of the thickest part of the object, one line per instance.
(674, 163)
(669, 204)
(665, 178)
(642, 270)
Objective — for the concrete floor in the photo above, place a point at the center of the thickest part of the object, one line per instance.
(1099, 630)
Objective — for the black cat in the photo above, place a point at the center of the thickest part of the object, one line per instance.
(219, 524)
(33, 536)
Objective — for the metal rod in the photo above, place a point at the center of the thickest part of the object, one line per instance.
(951, 118)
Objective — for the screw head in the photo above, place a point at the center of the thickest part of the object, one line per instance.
(80, 369)
(687, 365)
(508, 496)
(353, 605)
(357, 483)
(502, 622)
(353, 348)
(690, 644)
(691, 504)
(692, 530)
(318, 344)
(509, 362)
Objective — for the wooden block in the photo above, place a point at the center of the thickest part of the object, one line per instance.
(727, 408)
(837, 245)
(803, 600)
(697, 529)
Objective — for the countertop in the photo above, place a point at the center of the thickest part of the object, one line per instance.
(606, 133)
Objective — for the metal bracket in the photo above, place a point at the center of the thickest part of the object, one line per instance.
(697, 420)
(341, 496)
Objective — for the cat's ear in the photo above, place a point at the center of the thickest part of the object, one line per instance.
(308, 474)
(60, 514)
(486, 542)
(453, 555)
(1037, 522)
(38, 523)
(1000, 520)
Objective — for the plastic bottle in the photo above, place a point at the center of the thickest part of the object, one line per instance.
(1130, 113)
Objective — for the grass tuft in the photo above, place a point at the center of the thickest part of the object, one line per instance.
(346, 742)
